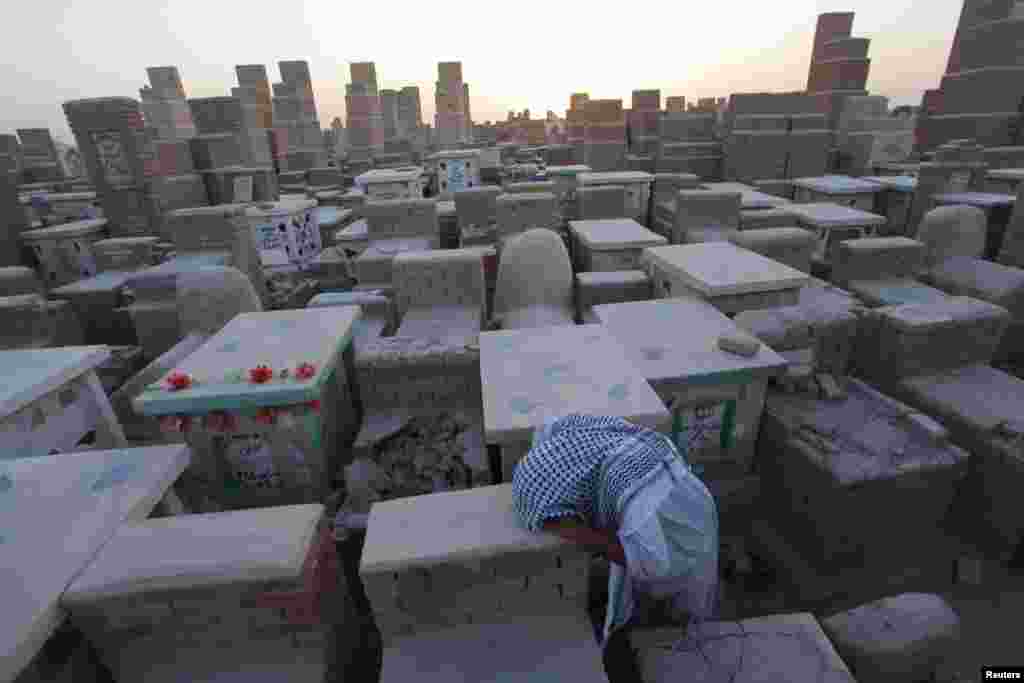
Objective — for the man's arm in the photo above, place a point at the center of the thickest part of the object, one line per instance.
(601, 541)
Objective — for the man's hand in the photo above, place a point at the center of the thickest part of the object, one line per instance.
(605, 542)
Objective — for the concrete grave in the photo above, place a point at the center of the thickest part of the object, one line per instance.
(791, 246)
(610, 244)
(900, 638)
(182, 596)
(784, 647)
(535, 282)
(601, 202)
(594, 289)
(448, 284)
(705, 216)
(731, 278)
(674, 343)
(517, 213)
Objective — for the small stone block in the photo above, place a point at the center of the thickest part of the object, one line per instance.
(900, 638)
(741, 345)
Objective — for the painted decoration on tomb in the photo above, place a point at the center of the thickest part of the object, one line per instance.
(252, 460)
(456, 175)
(284, 239)
(113, 160)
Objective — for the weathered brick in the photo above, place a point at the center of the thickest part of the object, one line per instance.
(519, 565)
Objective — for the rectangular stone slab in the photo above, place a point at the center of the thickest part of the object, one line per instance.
(532, 374)
(981, 200)
(191, 551)
(837, 185)
(55, 513)
(895, 292)
(453, 527)
(29, 374)
(278, 339)
(677, 339)
(827, 215)
(542, 649)
(614, 233)
(783, 647)
(721, 268)
(904, 184)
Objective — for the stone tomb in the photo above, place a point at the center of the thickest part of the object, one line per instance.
(183, 598)
(731, 278)
(856, 193)
(636, 183)
(852, 478)
(530, 375)
(834, 223)
(784, 647)
(611, 244)
(65, 251)
(610, 287)
(674, 343)
(435, 597)
(518, 213)
(882, 271)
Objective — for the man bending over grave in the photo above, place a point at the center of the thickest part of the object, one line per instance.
(625, 492)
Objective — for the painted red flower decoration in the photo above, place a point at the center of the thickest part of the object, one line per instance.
(217, 422)
(175, 423)
(314, 405)
(176, 381)
(265, 416)
(305, 371)
(260, 374)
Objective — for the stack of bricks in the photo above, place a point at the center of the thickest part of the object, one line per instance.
(810, 144)
(364, 124)
(186, 597)
(178, 184)
(644, 124)
(254, 93)
(164, 104)
(221, 121)
(451, 117)
(604, 135)
(39, 155)
(776, 136)
(757, 147)
(420, 581)
(688, 145)
(979, 95)
(122, 162)
(295, 115)
(575, 123)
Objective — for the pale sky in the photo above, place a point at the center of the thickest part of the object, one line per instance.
(527, 54)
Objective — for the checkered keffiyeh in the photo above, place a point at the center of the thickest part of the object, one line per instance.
(564, 476)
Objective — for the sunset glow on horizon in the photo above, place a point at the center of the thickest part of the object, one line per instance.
(530, 56)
